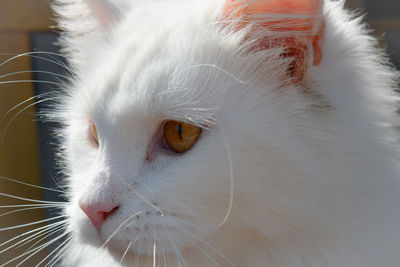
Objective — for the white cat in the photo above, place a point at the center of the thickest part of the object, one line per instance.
(228, 133)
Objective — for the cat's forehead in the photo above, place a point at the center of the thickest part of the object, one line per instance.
(162, 87)
(170, 70)
(162, 68)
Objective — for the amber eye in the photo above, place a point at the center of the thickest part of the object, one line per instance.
(180, 136)
(94, 137)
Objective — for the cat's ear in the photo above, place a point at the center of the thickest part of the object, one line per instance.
(107, 12)
(83, 21)
(295, 25)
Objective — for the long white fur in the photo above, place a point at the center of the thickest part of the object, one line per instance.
(315, 176)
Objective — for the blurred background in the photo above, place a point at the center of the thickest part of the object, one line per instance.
(27, 148)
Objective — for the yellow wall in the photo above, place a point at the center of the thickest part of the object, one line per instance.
(19, 149)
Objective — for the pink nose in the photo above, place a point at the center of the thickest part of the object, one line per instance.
(97, 213)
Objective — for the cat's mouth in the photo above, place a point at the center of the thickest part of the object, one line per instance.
(140, 233)
(143, 243)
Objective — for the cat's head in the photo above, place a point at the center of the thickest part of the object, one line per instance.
(188, 121)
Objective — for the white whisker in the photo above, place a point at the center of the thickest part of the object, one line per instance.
(231, 190)
(148, 187)
(41, 247)
(33, 251)
(31, 81)
(138, 255)
(25, 101)
(24, 209)
(231, 177)
(46, 235)
(175, 89)
(31, 237)
(31, 231)
(154, 250)
(164, 259)
(29, 224)
(33, 205)
(214, 67)
(56, 183)
(126, 251)
(208, 245)
(31, 185)
(119, 227)
(33, 55)
(205, 253)
(33, 71)
(55, 250)
(58, 256)
(32, 200)
(140, 195)
(178, 256)
(22, 110)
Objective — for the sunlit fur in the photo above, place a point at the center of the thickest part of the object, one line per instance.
(314, 166)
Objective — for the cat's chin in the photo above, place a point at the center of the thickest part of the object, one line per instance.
(142, 243)
(87, 234)
(130, 257)
(127, 241)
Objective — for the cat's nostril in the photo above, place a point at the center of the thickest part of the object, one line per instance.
(97, 213)
(107, 214)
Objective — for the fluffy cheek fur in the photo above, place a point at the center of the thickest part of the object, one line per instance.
(193, 190)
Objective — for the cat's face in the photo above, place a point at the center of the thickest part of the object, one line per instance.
(148, 83)
(246, 128)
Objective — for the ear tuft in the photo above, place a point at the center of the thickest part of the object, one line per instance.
(84, 21)
(107, 12)
(296, 25)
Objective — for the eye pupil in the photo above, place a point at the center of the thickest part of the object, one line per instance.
(180, 136)
(180, 131)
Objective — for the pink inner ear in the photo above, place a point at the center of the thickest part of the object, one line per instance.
(303, 18)
(104, 11)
